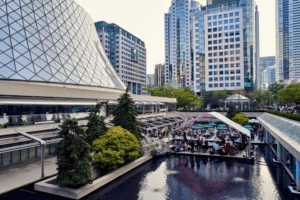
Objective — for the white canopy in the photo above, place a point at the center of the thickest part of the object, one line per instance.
(253, 121)
(112, 103)
(237, 98)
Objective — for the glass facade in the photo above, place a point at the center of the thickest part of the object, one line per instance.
(52, 41)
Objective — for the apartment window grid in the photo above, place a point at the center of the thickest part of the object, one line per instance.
(224, 50)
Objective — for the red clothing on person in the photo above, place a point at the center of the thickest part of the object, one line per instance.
(227, 146)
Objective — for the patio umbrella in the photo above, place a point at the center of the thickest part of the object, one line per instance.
(253, 121)
(221, 125)
(247, 126)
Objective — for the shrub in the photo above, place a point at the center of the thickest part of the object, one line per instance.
(241, 119)
(286, 115)
(95, 126)
(115, 148)
(73, 158)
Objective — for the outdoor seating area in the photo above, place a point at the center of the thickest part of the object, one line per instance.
(213, 137)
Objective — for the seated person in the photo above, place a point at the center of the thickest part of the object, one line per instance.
(227, 146)
(205, 146)
(216, 147)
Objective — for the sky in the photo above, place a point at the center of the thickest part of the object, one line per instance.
(145, 20)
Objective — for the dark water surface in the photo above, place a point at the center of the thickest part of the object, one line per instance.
(191, 177)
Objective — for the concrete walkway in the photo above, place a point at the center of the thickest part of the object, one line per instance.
(18, 175)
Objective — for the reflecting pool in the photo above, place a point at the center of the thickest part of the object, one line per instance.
(191, 177)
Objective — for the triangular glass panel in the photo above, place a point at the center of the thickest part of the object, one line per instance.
(11, 66)
(3, 46)
(23, 60)
(6, 72)
(30, 67)
(47, 69)
(37, 78)
(44, 75)
(17, 77)
(37, 68)
(26, 73)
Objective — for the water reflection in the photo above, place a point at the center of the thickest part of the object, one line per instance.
(189, 177)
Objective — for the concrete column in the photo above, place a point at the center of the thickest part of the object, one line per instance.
(143, 109)
(242, 106)
(284, 155)
(279, 151)
(297, 177)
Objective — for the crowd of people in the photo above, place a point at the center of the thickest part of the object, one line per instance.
(211, 140)
(293, 110)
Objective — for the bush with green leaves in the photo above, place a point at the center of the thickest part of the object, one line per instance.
(115, 148)
(73, 156)
(95, 126)
(241, 119)
(286, 115)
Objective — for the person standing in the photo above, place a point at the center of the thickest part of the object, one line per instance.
(192, 144)
(198, 144)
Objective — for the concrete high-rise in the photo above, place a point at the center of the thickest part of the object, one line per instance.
(159, 75)
(287, 39)
(212, 47)
(126, 53)
(264, 63)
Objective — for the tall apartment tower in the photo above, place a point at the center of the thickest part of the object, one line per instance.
(126, 53)
(257, 53)
(287, 39)
(159, 75)
(212, 47)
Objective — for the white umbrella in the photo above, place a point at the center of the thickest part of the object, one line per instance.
(253, 121)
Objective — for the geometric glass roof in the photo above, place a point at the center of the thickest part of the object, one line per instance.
(52, 41)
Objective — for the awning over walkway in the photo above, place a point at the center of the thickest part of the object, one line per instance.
(45, 102)
(225, 120)
(231, 123)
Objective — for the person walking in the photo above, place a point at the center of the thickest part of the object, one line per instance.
(198, 144)
(192, 144)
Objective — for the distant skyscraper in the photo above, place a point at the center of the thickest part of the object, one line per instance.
(212, 47)
(264, 63)
(159, 75)
(287, 39)
(269, 76)
(126, 53)
(257, 53)
(150, 81)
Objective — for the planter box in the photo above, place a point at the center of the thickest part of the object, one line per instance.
(45, 186)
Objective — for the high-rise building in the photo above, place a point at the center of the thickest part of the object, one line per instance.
(126, 53)
(287, 39)
(150, 81)
(264, 63)
(159, 75)
(269, 76)
(257, 53)
(212, 47)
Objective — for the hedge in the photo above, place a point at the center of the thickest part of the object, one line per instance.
(286, 115)
(221, 111)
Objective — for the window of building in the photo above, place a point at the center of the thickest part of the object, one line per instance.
(209, 18)
(209, 24)
(221, 66)
(238, 78)
(210, 85)
(237, 39)
(215, 17)
(238, 65)
(215, 73)
(237, 46)
(226, 53)
(237, 19)
(220, 53)
(215, 78)
(209, 30)
(226, 72)
(215, 66)
(226, 34)
(225, 46)
(220, 16)
(237, 33)
(210, 79)
(215, 54)
(232, 84)
(225, 15)
(209, 36)
(210, 73)
(237, 13)
(237, 26)
(231, 39)
(221, 72)
(231, 65)
(215, 29)
(226, 78)
(226, 84)
(209, 66)
(231, 33)
(220, 22)
(226, 40)
(231, 21)
(215, 48)
(216, 85)
(215, 23)
(209, 42)
(221, 84)
(230, 14)
(238, 84)
(225, 21)
(221, 78)
(220, 59)
(232, 72)
(210, 55)
(209, 48)
(231, 46)
(220, 47)
(209, 60)
(231, 27)
(238, 71)
(215, 36)
(215, 41)
(220, 34)
(231, 52)
(225, 28)
(220, 41)
(220, 28)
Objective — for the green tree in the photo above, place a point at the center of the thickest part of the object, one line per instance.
(268, 97)
(125, 114)
(274, 88)
(218, 98)
(241, 119)
(231, 111)
(186, 98)
(258, 96)
(290, 94)
(95, 126)
(73, 158)
(115, 148)
(207, 97)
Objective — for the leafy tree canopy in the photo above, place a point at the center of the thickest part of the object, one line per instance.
(275, 87)
(125, 114)
(231, 112)
(186, 98)
(241, 119)
(290, 94)
(115, 148)
(73, 158)
(95, 126)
